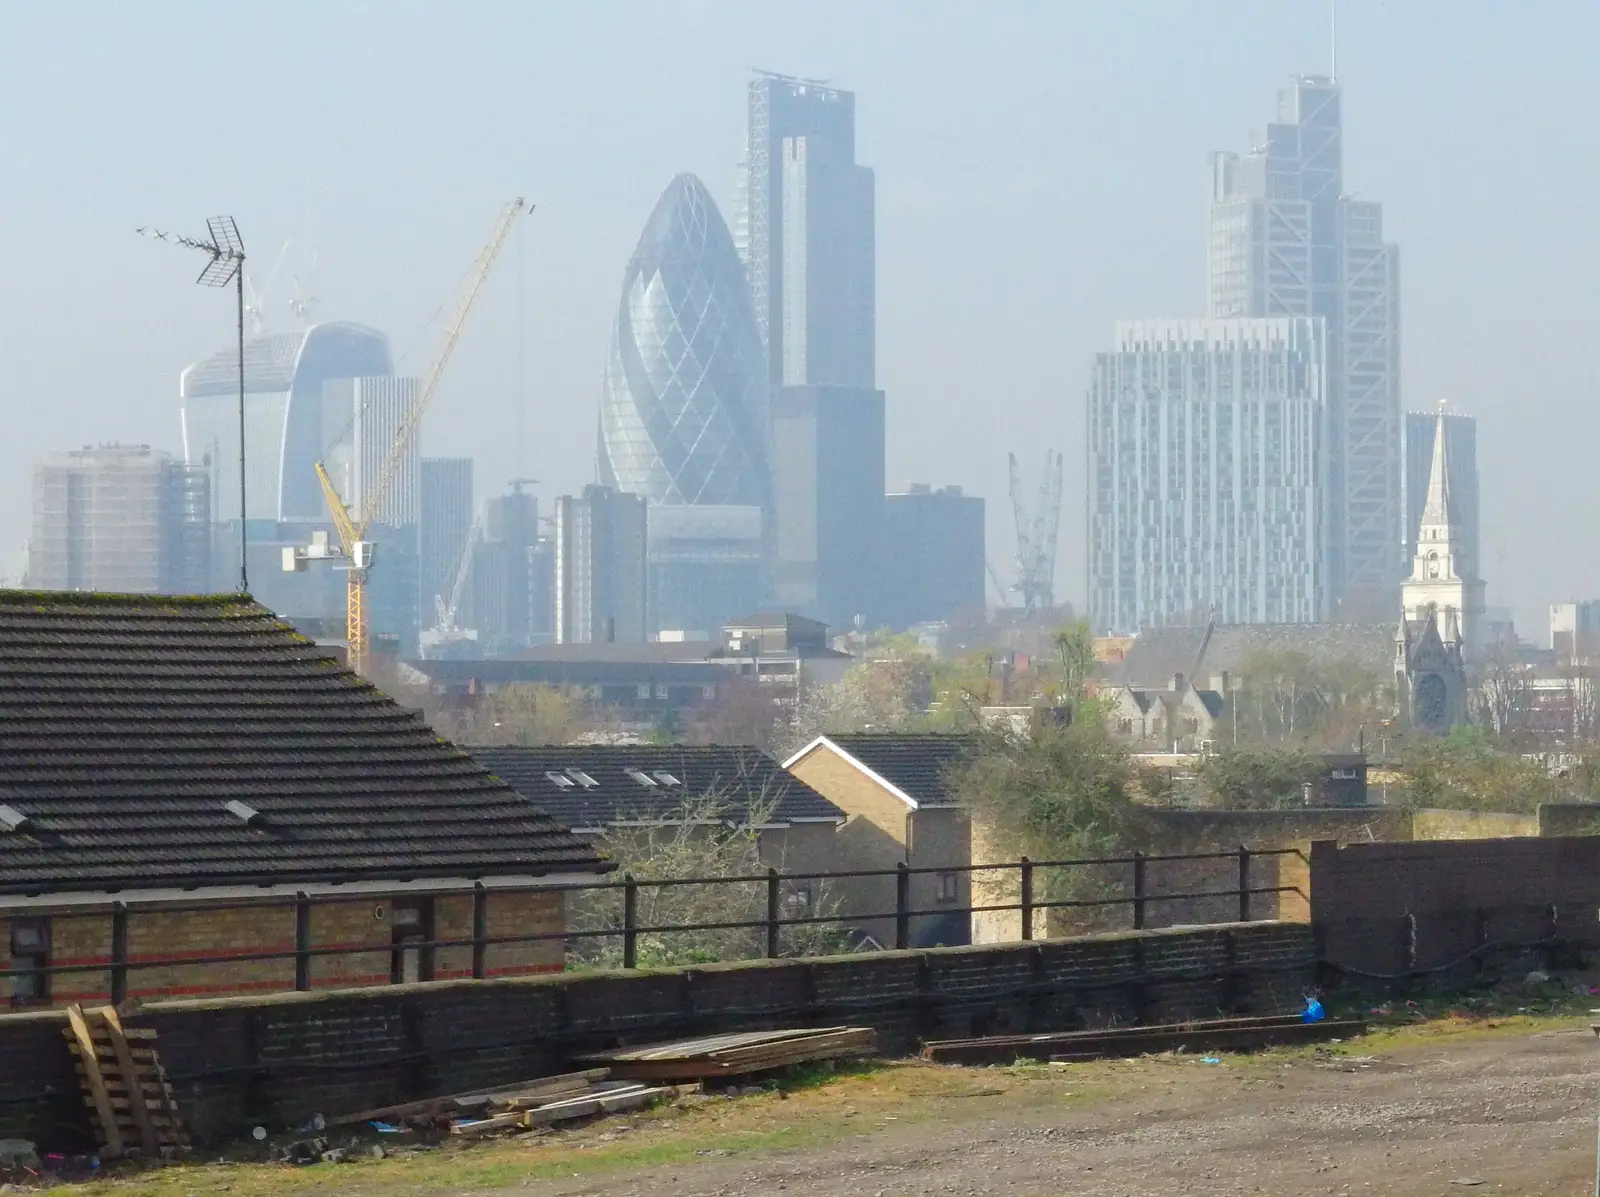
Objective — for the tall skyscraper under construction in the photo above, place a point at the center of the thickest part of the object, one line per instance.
(1287, 240)
(125, 518)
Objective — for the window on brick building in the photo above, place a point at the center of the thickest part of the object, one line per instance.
(412, 925)
(30, 956)
(949, 886)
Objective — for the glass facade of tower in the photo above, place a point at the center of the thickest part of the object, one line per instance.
(1204, 474)
(684, 413)
(1285, 240)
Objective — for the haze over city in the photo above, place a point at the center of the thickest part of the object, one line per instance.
(1041, 172)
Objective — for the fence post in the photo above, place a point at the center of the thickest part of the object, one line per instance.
(630, 921)
(1244, 884)
(773, 913)
(302, 942)
(902, 905)
(480, 931)
(1027, 898)
(119, 953)
(1138, 891)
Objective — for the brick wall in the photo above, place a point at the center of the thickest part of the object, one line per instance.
(276, 1059)
(1569, 818)
(1393, 908)
(1470, 825)
(155, 936)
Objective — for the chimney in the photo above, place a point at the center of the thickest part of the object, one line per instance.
(611, 629)
(1177, 682)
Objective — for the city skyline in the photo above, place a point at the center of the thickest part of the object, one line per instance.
(966, 446)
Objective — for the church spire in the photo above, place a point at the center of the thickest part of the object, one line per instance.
(1436, 512)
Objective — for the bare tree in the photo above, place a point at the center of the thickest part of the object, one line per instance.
(700, 847)
(1503, 685)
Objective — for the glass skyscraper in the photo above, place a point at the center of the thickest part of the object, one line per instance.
(807, 234)
(684, 414)
(1286, 240)
(1204, 493)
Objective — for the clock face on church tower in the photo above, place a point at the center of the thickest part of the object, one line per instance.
(1431, 701)
(1433, 565)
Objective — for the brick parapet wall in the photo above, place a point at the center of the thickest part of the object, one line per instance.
(361, 930)
(276, 1059)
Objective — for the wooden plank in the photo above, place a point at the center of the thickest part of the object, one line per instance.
(97, 1086)
(130, 1073)
(435, 1106)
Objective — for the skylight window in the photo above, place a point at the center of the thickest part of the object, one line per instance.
(582, 778)
(244, 812)
(560, 779)
(643, 778)
(12, 819)
(666, 778)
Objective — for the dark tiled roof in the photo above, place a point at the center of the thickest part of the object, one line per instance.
(739, 777)
(916, 764)
(1201, 654)
(127, 723)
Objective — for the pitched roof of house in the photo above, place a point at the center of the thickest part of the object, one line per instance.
(129, 723)
(596, 785)
(1204, 653)
(914, 763)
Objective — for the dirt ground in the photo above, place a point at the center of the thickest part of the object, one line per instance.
(1510, 1114)
(1429, 1111)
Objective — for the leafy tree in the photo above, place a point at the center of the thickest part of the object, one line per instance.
(1257, 779)
(527, 713)
(1066, 791)
(1467, 770)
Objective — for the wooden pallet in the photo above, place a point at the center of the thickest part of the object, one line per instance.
(124, 1085)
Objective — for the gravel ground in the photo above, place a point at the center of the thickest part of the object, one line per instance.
(1476, 1115)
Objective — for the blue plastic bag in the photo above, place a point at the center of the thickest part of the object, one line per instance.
(1314, 1011)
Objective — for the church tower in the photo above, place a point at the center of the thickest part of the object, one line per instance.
(1439, 634)
(1437, 589)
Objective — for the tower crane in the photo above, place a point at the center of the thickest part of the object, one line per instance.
(1036, 533)
(354, 548)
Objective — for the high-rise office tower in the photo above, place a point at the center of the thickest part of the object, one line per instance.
(285, 432)
(933, 555)
(600, 572)
(443, 527)
(1204, 493)
(685, 420)
(807, 228)
(503, 603)
(124, 518)
(828, 484)
(1286, 240)
(1461, 439)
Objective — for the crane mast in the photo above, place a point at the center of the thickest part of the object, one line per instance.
(352, 527)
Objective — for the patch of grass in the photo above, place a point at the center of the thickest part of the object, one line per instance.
(809, 1107)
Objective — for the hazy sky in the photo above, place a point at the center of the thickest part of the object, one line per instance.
(1041, 173)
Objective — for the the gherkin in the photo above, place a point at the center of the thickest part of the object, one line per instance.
(683, 413)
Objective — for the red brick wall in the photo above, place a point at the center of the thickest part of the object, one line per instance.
(158, 936)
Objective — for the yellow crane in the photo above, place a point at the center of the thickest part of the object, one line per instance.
(352, 527)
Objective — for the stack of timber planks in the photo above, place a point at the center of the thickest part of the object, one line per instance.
(713, 1056)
